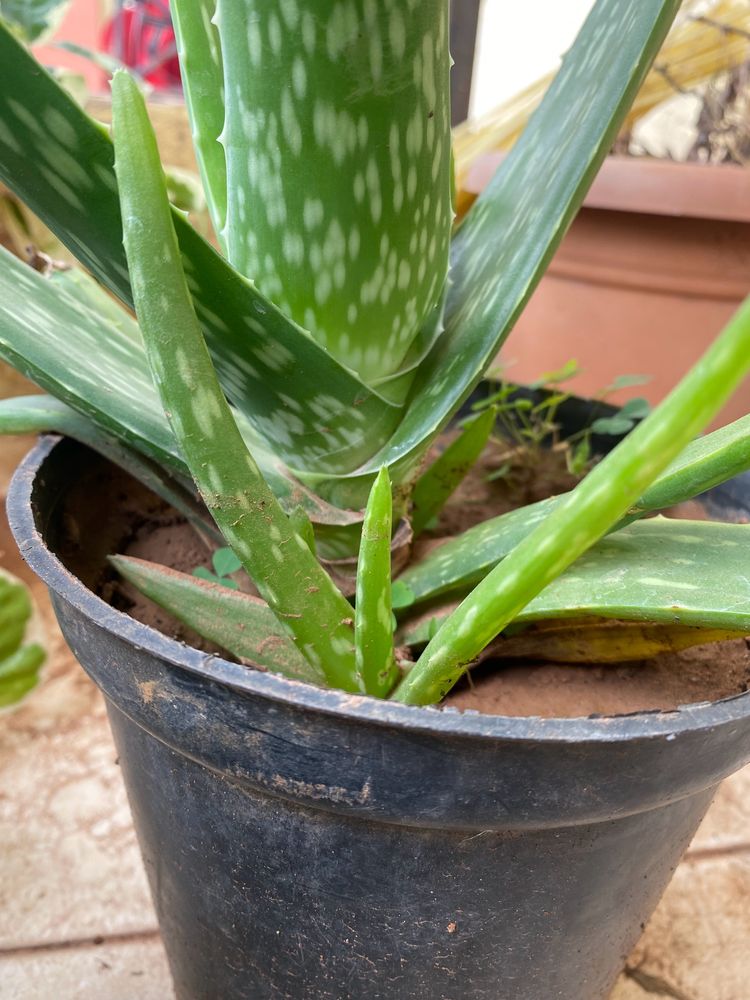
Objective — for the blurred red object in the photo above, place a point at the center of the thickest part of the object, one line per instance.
(141, 36)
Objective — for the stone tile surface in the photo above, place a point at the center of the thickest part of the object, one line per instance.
(727, 825)
(69, 863)
(114, 970)
(698, 941)
(628, 989)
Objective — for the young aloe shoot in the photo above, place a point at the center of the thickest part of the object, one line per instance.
(287, 574)
(373, 621)
(585, 515)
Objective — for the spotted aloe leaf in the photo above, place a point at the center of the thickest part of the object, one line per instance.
(592, 641)
(279, 562)
(42, 414)
(671, 572)
(241, 624)
(706, 462)
(33, 19)
(506, 242)
(586, 514)
(199, 50)
(463, 561)
(337, 143)
(68, 336)
(311, 410)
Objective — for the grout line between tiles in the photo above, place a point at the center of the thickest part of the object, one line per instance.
(14, 951)
(715, 853)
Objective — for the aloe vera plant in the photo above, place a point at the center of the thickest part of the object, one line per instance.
(297, 378)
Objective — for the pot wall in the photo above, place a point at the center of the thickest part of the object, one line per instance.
(304, 843)
(650, 271)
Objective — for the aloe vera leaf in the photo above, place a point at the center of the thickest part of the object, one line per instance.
(669, 572)
(241, 624)
(373, 619)
(706, 462)
(53, 330)
(588, 641)
(42, 414)
(52, 336)
(338, 144)
(438, 482)
(504, 246)
(288, 576)
(35, 19)
(311, 411)
(466, 559)
(584, 516)
(303, 526)
(199, 51)
(603, 642)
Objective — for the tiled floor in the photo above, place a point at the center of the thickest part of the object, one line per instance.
(76, 922)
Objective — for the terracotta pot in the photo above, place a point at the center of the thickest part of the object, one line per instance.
(655, 263)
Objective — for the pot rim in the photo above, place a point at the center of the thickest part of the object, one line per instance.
(651, 724)
(649, 186)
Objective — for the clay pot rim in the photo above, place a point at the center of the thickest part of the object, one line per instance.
(659, 725)
(652, 187)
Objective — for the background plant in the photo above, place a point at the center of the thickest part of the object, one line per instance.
(299, 378)
(20, 659)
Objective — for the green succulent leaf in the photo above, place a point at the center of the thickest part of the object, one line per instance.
(463, 561)
(303, 527)
(199, 50)
(338, 150)
(595, 642)
(506, 242)
(43, 414)
(591, 641)
(280, 564)
(586, 514)
(311, 410)
(706, 462)
(434, 487)
(241, 624)
(33, 19)
(672, 572)
(373, 625)
(58, 338)
(67, 335)
(402, 596)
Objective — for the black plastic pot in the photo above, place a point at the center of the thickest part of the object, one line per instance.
(304, 843)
